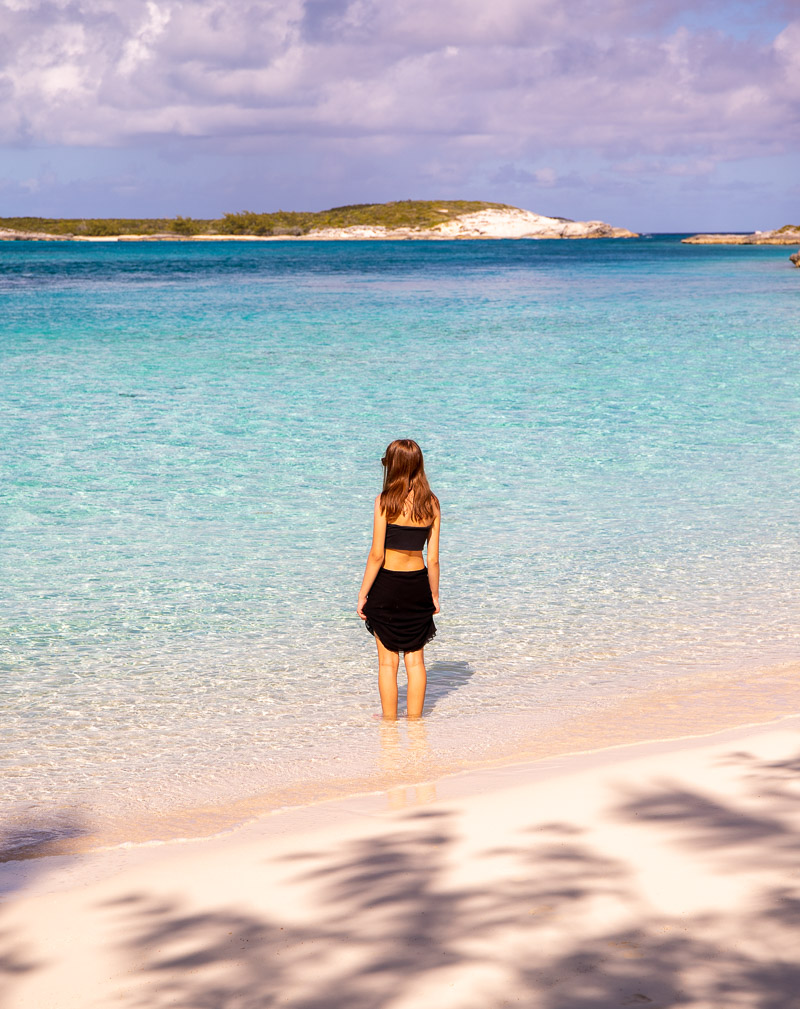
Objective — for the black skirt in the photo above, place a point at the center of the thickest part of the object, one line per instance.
(399, 610)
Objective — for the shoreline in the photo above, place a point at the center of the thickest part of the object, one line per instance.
(314, 237)
(691, 708)
(532, 879)
(463, 783)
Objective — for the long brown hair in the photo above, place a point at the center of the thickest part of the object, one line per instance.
(404, 475)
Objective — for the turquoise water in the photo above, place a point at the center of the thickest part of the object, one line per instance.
(191, 445)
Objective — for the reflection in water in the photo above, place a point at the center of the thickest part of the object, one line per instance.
(404, 754)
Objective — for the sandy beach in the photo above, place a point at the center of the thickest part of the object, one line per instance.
(656, 873)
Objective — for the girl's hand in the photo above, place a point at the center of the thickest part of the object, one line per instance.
(360, 608)
(436, 604)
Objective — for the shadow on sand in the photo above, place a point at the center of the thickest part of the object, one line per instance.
(391, 919)
(23, 848)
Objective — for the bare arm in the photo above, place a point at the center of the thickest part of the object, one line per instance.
(433, 559)
(375, 557)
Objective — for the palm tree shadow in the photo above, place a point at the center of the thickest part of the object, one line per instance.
(550, 915)
(389, 918)
(24, 849)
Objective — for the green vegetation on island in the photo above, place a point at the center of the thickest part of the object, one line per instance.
(107, 227)
(422, 214)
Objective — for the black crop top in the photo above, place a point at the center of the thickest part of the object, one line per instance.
(405, 537)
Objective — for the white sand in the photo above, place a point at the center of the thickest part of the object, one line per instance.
(659, 874)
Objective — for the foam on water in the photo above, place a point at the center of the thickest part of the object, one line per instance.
(191, 444)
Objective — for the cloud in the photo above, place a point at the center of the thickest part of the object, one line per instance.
(542, 178)
(518, 92)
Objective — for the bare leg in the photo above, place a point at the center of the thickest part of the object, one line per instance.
(387, 679)
(417, 681)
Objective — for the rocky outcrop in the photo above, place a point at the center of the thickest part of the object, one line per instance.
(782, 236)
(10, 235)
(490, 223)
(159, 236)
(795, 258)
(512, 223)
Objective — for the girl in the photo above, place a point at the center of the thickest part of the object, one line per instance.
(398, 595)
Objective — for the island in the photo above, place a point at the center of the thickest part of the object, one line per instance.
(789, 234)
(430, 220)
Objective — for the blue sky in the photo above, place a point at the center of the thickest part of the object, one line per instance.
(659, 115)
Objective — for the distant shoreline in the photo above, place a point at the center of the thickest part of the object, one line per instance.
(787, 235)
(182, 239)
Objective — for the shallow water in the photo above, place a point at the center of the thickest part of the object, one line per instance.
(191, 446)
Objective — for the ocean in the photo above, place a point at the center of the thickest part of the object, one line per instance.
(191, 444)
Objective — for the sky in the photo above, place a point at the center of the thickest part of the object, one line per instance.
(657, 115)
